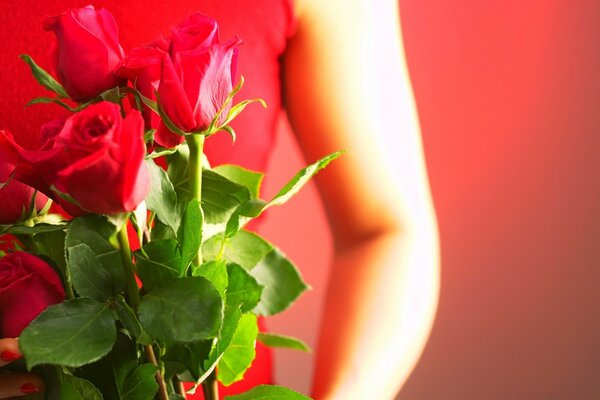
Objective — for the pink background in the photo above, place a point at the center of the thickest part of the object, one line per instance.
(509, 100)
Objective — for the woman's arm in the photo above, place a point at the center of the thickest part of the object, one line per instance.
(347, 87)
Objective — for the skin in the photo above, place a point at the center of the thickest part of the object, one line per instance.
(347, 87)
(347, 58)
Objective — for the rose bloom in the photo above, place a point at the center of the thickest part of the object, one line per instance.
(192, 72)
(28, 285)
(16, 197)
(87, 51)
(95, 159)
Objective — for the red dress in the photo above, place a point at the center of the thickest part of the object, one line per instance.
(263, 25)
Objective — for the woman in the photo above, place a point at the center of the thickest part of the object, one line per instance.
(345, 86)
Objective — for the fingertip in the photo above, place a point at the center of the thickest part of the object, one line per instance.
(9, 351)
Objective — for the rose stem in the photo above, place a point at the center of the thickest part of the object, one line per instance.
(133, 294)
(179, 387)
(162, 387)
(196, 145)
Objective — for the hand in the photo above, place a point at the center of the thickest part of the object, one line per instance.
(15, 384)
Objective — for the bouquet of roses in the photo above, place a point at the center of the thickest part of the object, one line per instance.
(127, 168)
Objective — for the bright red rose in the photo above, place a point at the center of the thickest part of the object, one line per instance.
(88, 51)
(96, 158)
(27, 287)
(15, 198)
(192, 72)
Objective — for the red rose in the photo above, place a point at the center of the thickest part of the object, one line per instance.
(15, 198)
(88, 51)
(96, 158)
(195, 76)
(27, 287)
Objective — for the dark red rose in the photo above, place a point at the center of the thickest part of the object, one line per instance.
(27, 287)
(88, 51)
(96, 159)
(16, 197)
(193, 74)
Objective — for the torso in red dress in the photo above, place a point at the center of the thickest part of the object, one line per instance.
(263, 25)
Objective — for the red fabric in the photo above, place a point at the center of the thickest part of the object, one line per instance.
(263, 25)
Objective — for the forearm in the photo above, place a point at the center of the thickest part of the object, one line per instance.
(379, 310)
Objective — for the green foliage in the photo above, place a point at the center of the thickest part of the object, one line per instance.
(253, 208)
(239, 354)
(73, 333)
(268, 267)
(216, 273)
(73, 388)
(249, 179)
(287, 342)
(140, 384)
(281, 280)
(245, 248)
(182, 310)
(88, 275)
(243, 290)
(268, 392)
(162, 198)
(95, 232)
(43, 77)
(190, 233)
(158, 262)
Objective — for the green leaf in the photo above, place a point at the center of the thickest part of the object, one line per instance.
(130, 321)
(141, 383)
(95, 231)
(73, 333)
(73, 388)
(220, 197)
(254, 208)
(245, 248)
(32, 230)
(282, 283)
(43, 77)
(109, 373)
(239, 107)
(250, 179)
(183, 310)
(231, 319)
(160, 152)
(268, 392)
(158, 262)
(88, 275)
(56, 100)
(243, 290)
(240, 353)
(186, 359)
(162, 198)
(216, 273)
(190, 233)
(287, 342)
(52, 244)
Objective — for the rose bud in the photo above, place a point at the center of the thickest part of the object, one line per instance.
(16, 197)
(87, 51)
(192, 72)
(28, 285)
(96, 160)
(193, 88)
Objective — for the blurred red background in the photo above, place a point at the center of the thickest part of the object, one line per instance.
(508, 94)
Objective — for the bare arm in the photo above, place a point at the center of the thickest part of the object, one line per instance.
(347, 87)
